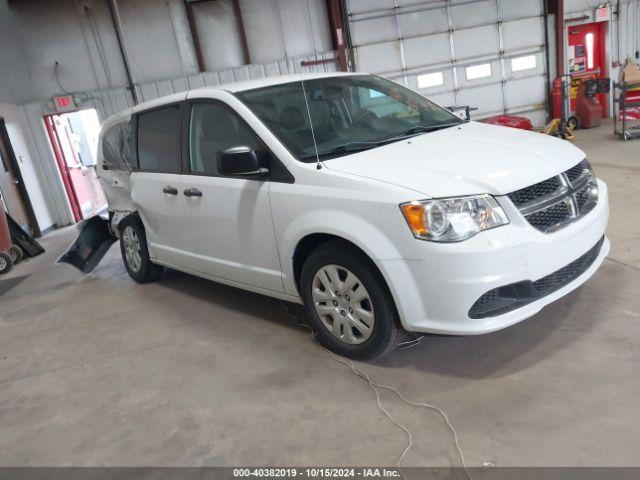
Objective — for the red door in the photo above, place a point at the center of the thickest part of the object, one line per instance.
(586, 56)
(64, 169)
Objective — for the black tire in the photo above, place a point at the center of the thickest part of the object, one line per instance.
(6, 264)
(573, 122)
(386, 330)
(17, 255)
(143, 271)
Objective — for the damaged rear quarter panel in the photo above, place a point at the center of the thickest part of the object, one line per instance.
(116, 158)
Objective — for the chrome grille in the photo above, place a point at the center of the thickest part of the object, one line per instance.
(554, 203)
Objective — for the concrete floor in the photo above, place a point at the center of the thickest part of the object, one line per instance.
(97, 370)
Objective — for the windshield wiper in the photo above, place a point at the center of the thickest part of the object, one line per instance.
(351, 147)
(344, 148)
(429, 128)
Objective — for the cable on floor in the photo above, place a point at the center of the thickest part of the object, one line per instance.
(376, 386)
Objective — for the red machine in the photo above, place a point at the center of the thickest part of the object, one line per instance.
(588, 109)
(6, 262)
(509, 121)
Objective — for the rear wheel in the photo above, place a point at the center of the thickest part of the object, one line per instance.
(135, 253)
(348, 303)
(573, 122)
(17, 255)
(6, 264)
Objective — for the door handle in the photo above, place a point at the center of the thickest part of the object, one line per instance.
(169, 190)
(192, 192)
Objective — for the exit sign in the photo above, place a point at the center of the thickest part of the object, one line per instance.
(603, 14)
(64, 103)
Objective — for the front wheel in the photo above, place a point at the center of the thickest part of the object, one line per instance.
(6, 264)
(135, 253)
(348, 303)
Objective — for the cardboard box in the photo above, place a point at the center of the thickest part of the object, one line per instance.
(630, 73)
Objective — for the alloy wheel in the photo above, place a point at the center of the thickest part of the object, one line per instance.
(132, 250)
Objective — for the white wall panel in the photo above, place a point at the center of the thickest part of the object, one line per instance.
(427, 50)
(446, 37)
(487, 99)
(22, 146)
(446, 98)
(80, 36)
(285, 28)
(424, 22)
(376, 30)
(476, 42)
(382, 57)
(521, 34)
(481, 13)
(34, 36)
(510, 10)
(364, 6)
(150, 41)
(525, 91)
(219, 34)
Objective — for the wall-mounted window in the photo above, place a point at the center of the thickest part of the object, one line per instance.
(476, 72)
(429, 80)
(523, 63)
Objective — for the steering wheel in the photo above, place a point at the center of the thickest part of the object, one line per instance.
(365, 116)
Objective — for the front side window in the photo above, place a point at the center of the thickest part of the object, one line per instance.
(348, 113)
(214, 128)
(159, 140)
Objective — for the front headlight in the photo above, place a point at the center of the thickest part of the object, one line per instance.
(453, 219)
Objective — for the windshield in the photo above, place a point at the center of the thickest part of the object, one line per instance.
(348, 114)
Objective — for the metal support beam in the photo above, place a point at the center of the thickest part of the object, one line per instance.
(547, 69)
(194, 35)
(243, 34)
(115, 18)
(559, 38)
(334, 9)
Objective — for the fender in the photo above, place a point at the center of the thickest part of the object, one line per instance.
(378, 245)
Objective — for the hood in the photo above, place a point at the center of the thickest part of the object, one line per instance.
(473, 158)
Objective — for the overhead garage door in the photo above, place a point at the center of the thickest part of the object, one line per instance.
(487, 54)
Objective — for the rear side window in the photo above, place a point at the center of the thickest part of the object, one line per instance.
(116, 148)
(159, 140)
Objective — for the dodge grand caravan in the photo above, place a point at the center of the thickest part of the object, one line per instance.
(369, 204)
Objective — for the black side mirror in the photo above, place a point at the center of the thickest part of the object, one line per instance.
(240, 161)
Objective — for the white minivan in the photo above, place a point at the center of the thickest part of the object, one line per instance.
(378, 210)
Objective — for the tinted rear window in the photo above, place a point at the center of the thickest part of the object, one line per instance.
(159, 140)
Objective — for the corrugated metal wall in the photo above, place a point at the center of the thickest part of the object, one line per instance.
(434, 46)
(79, 36)
(457, 52)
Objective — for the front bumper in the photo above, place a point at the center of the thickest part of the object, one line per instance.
(436, 293)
